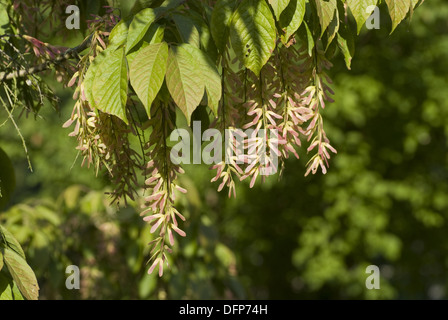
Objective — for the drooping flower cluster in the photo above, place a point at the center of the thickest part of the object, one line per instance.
(233, 96)
(162, 173)
(281, 104)
(261, 143)
(315, 96)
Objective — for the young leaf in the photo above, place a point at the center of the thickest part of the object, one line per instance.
(326, 11)
(22, 274)
(359, 10)
(397, 10)
(220, 22)
(278, 6)
(110, 86)
(147, 72)
(10, 242)
(184, 85)
(253, 33)
(291, 18)
(139, 25)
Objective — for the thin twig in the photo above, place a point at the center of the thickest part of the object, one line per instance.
(69, 54)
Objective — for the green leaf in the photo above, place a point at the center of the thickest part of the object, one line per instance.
(359, 10)
(189, 72)
(398, 10)
(225, 255)
(187, 30)
(206, 40)
(414, 4)
(1, 260)
(253, 33)
(154, 34)
(139, 25)
(220, 22)
(4, 18)
(11, 242)
(291, 18)
(212, 81)
(147, 72)
(185, 87)
(8, 289)
(305, 32)
(22, 274)
(346, 44)
(119, 34)
(110, 85)
(332, 29)
(7, 178)
(278, 6)
(90, 76)
(326, 11)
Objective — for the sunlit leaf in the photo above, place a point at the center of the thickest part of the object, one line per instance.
(10, 242)
(138, 27)
(291, 18)
(278, 6)
(253, 33)
(398, 10)
(22, 274)
(147, 72)
(326, 11)
(359, 10)
(187, 30)
(189, 72)
(346, 44)
(110, 85)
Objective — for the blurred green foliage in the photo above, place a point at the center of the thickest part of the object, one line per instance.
(383, 202)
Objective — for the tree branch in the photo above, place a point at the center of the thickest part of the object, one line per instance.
(69, 54)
